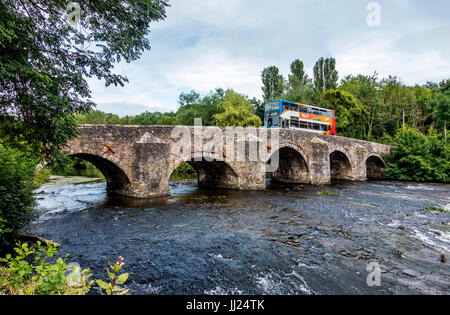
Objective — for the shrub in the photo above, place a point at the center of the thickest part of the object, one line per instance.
(16, 193)
(418, 157)
(39, 277)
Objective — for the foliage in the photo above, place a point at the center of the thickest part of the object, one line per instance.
(442, 107)
(182, 172)
(325, 74)
(97, 117)
(349, 112)
(77, 167)
(41, 177)
(194, 106)
(366, 89)
(298, 74)
(44, 63)
(29, 272)
(434, 209)
(16, 193)
(327, 193)
(236, 110)
(112, 288)
(419, 157)
(273, 84)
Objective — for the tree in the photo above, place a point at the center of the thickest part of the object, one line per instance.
(442, 108)
(349, 113)
(16, 193)
(366, 89)
(298, 74)
(299, 88)
(45, 60)
(96, 117)
(187, 99)
(419, 157)
(273, 83)
(236, 110)
(325, 74)
(194, 106)
(259, 108)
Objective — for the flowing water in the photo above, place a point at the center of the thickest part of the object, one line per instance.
(286, 240)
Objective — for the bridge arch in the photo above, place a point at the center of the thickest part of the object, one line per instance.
(340, 166)
(211, 171)
(292, 166)
(375, 167)
(117, 180)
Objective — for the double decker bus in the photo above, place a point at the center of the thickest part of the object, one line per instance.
(284, 114)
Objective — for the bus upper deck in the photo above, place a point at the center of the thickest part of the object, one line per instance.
(285, 114)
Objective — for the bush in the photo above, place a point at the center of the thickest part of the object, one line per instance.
(16, 193)
(39, 277)
(418, 157)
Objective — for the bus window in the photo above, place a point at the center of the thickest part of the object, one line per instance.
(295, 123)
(323, 128)
(315, 111)
(304, 109)
(276, 121)
(303, 125)
(273, 114)
(324, 113)
(272, 106)
(316, 126)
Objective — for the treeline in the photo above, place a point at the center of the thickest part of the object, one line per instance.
(218, 108)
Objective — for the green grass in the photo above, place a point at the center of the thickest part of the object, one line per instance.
(434, 209)
(327, 193)
(42, 177)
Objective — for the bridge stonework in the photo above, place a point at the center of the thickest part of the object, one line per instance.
(137, 161)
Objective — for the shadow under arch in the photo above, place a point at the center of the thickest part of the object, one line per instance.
(292, 167)
(340, 166)
(375, 167)
(213, 174)
(117, 180)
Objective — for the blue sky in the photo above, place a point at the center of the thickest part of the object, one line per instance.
(205, 44)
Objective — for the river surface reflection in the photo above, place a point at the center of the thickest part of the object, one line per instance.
(286, 240)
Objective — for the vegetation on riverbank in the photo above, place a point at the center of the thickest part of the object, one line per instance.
(35, 270)
(28, 271)
(419, 157)
(183, 172)
(16, 193)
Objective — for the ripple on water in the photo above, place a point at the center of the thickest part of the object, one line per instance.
(271, 242)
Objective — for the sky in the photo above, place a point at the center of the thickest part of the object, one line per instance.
(206, 44)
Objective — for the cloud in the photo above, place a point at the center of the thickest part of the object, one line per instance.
(206, 44)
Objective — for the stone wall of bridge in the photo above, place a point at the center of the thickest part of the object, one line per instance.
(137, 161)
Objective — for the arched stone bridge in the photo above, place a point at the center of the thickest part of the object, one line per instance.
(137, 161)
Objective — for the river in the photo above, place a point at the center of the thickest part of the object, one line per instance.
(286, 240)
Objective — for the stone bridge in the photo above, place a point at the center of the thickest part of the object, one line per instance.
(137, 161)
